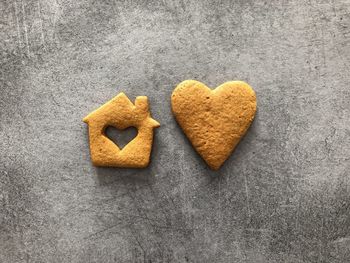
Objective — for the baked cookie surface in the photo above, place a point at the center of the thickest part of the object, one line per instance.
(121, 113)
(214, 120)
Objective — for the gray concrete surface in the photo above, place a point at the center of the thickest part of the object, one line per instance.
(283, 196)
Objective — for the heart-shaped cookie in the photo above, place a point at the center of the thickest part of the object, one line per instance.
(214, 120)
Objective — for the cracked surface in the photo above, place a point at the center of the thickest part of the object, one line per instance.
(283, 196)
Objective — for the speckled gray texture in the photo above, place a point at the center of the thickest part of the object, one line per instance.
(283, 196)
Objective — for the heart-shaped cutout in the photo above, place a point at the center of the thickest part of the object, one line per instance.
(214, 120)
(120, 137)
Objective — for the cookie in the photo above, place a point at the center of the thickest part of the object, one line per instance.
(214, 120)
(121, 113)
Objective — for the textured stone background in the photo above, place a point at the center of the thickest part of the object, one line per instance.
(283, 196)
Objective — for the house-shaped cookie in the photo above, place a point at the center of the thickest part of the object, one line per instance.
(121, 113)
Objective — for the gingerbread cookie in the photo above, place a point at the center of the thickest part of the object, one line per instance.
(214, 120)
(121, 113)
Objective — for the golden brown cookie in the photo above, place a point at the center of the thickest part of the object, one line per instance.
(214, 120)
(121, 113)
